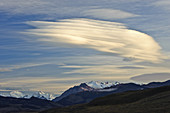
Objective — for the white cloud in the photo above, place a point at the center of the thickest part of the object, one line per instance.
(104, 36)
(110, 14)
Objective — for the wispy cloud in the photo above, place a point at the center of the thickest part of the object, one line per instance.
(109, 14)
(131, 67)
(52, 7)
(14, 67)
(115, 71)
(48, 84)
(104, 36)
(152, 77)
(97, 70)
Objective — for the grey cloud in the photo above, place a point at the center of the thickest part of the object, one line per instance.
(151, 77)
(11, 88)
(131, 67)
(21, 66)
(164, 4)
(109, 14)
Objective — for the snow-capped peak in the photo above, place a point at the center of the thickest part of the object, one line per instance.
(42, 95)
(39, 94)
(16, 94)
(88, 86)
(100, 85)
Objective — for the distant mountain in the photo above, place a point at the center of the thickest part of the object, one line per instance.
(87, 96)
(43, 95)
(153, 100)
(86, 92)
(156, 84)
(81, 88)
(39, 94)
(113, 97)
(18, 105)
(88, 86)
(17, 94)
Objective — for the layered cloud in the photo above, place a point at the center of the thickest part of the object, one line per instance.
(152, 77)
(15, 67)
(108, 14)
(104, 36)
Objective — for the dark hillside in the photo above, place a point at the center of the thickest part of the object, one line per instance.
(15, 105)
(156, 100)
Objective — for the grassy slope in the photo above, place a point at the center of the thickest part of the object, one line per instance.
(155, 100)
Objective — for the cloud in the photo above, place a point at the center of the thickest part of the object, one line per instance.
(53, 9)
(53, 6)
(131, 67)
(163, 4)
(164, 8)
(23, 6)
(96, 70)
(15, 67)
(48, 84)
(11, 88)
(109, 14)
(151, 77)
(5, 69)
(104, 36)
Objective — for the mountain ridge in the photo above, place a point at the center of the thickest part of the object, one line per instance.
(87, 86)
(38, 94)
(151, 100)
(81, 96)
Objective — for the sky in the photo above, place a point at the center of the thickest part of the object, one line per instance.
(53, 45)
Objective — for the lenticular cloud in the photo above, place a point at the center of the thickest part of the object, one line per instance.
(104, 36)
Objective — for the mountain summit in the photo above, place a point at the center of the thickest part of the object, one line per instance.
(88, 86)
(101, 85)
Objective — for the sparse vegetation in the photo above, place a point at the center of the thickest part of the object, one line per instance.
(156, 100)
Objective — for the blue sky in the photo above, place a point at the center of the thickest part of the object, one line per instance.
(52, 45)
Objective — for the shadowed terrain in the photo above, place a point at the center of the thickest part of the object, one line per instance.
(156, 100)
(15, 105)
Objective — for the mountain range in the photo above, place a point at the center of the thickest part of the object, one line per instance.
(84, 93)
(92, 86)
(152, 100)
(38, 94)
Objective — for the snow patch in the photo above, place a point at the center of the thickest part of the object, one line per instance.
(101, 85)
(39, 94)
